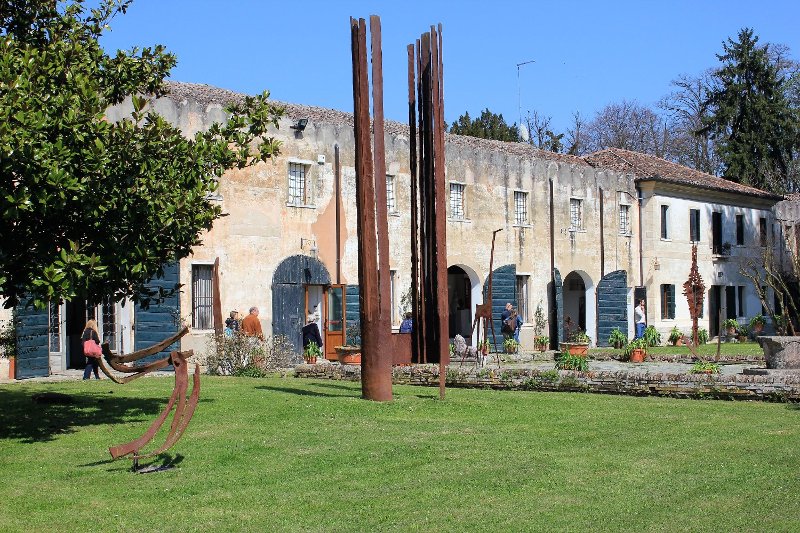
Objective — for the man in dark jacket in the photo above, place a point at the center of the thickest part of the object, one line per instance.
(311, 332)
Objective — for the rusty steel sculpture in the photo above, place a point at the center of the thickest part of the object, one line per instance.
(184, 408)
(483, 312)
(429, 339)
(694, 289)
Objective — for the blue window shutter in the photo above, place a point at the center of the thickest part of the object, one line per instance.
(33, 351)
(159, 321)
(612, 305)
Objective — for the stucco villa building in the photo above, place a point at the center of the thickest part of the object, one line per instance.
(582, 237)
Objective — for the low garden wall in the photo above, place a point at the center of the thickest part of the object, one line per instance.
(784, 388)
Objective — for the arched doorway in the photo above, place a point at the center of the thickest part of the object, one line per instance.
(579, 304)
(464, 292)
(299, 287)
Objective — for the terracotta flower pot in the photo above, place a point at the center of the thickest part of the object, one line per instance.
(541, 347)
(637, 356)
(349, 355)
(311, 360)
(758, 328)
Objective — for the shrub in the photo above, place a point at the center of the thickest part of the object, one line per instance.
(704, 367)
(651, 336)
(312, 350)
(702, 335)
(8, 338)
(572, 362)
(617, 337)
(510, 345)
(757, 321)
(232, 355)
(579, 336)
(730, 323)
(635, 344)
(675, 335)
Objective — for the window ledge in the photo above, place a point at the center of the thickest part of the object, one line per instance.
(577, 230)
(394, 214)
(302, 206)
(461, 220)
(629, 235)
(666, 240)
(522, 225)
(201, 331)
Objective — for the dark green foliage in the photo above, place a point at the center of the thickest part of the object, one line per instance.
(651, 336)
(488, 126)
(568, 361)
(751, 118)
(90, 208)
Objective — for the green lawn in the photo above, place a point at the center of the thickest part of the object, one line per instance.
(285, 454)
(706, 350)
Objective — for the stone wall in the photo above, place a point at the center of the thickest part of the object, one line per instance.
(784, 388)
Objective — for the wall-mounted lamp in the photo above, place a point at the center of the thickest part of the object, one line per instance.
(656, 264)
(720, 274)
(300, 125)
(313, 250)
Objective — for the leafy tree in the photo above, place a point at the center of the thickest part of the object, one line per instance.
(89, 208)
(750, 117)
(488, 126)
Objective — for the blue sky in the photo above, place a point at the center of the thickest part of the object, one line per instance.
(587, 54)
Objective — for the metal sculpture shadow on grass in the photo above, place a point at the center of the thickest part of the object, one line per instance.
(184, 408)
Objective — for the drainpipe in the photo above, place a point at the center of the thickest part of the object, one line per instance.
(337, 170)
(553, 312)
(602, 237)
(641, 260)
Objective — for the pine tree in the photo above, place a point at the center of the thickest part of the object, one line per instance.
(750, 117)
(488, 126)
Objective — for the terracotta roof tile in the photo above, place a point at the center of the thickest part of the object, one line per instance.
(650, 168)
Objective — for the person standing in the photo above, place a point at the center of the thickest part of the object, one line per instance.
(639, 318)
(311, 332)
(506, 324)
(517, 326)
(251, 325)
(91, 334)
(407, 324)
(232, 324)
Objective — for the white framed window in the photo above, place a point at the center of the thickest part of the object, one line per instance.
(54, 328)
(391, 200)
(575, 214)
(665, 233)
(624, 219)
(520, 208)
(202, 296)
(523, 280)
(457, 200)
(108, 312)
(299, 184)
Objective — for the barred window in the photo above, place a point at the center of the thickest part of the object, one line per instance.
(667, 302)
(457, 201)
(520, 207)
(54, 329)
(109, 323)
(575, 214)
(522, 296)
(625, 219)
(298, 190)
(202, 297)
(391, 202)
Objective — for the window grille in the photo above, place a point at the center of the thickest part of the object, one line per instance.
(391, 202)
(298, 194)
(520, 207)
(54, 329)
(457, 201)
(109, 314)
(522, 296)
(575, 214)
(667, 302)
(202, 297)
(624, 219)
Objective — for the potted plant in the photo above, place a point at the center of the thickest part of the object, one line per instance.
(8, 346)
(636, 350)
(675, 336)
(541, 342)
(578, 343)
(510, 346)
(757, 324)
(730, 325)
(704, 367)
(617, 339)
(743, 333)
(311, 353)
(350, 352)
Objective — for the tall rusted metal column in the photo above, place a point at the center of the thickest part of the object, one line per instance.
(376, 366)
(430, 248)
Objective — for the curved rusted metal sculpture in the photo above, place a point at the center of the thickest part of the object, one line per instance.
(184, 408)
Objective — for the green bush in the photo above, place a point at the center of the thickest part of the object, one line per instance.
(702, 335)
(235, 354)
(617, 337)
(704, 367)
(572, 362)
(651, 336)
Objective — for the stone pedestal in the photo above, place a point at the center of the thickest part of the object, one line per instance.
(781, 352)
